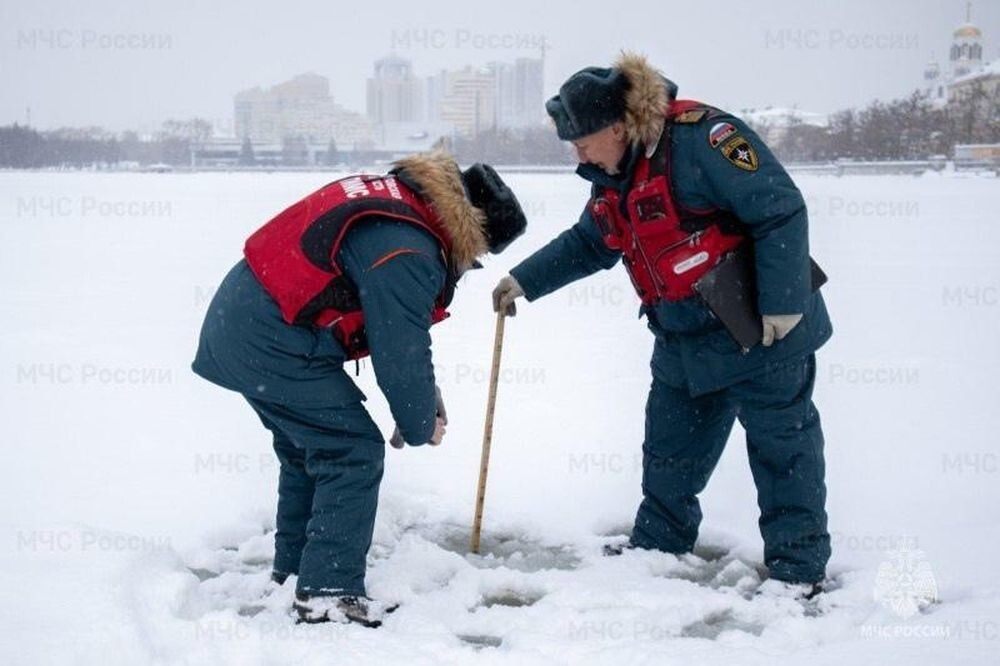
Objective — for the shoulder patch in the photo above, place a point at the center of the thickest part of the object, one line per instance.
(719, 133)
(690, 117)
(740, 153)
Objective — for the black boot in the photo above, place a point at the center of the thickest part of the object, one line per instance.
(360, 610)
(616, 549)
(773, 587)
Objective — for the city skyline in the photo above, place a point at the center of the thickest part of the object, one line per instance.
(731, 55)
(403, 109)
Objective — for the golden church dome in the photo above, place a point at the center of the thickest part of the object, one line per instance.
(968, 31)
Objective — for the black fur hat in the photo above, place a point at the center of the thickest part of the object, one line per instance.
(505, 220)
(598, 97)
(589, 101)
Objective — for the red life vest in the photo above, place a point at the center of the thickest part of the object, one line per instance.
(666, 247)
(294, 256)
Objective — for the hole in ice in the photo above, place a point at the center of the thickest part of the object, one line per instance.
(204, 574)
(514, 551)
(480, 641)
(511, 598)
(252, 610)
(717, 623)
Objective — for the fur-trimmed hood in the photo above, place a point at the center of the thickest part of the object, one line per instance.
(647, 98)
(440, 182)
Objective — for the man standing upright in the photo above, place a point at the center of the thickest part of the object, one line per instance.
(678, 189)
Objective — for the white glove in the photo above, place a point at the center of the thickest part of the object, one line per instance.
(504, 295)
(396, 441)
(777, 327)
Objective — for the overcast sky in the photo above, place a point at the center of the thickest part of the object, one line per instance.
(134, 64)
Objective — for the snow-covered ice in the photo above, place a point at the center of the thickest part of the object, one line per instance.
(138, 499)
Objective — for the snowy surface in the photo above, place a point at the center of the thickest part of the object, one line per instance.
(138, 499)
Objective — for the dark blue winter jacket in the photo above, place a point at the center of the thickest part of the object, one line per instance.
(246, 346)
(692, 349)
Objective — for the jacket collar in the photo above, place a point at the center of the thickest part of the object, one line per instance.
(436, 177)
(622, 180)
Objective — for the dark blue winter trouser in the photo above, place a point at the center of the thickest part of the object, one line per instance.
(685, 437)
(331, 466)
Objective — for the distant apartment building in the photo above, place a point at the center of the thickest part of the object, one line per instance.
(300, 109)
(466, 99)
(497, 96)
(397, 109)
(520, 93)
(394, 93)
(293, 123)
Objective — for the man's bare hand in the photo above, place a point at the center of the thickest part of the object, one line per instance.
(439, 430)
